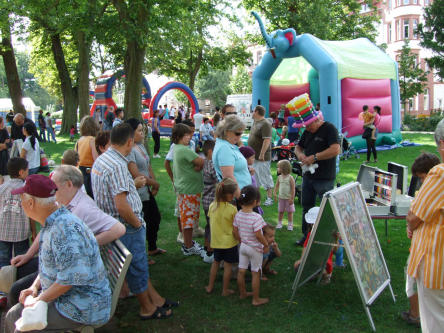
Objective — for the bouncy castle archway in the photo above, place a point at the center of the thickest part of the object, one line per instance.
(103, 93)
(175, 85)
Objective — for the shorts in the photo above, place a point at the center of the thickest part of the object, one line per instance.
(270, 256)
(284, 206)
(189, 210)
(230, 255)
(410, 284)
(248, 255)
(263, 174)
(137, 275)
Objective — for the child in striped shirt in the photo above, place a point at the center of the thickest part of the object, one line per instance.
(247, 227)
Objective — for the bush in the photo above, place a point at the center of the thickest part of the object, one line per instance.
(425, 124)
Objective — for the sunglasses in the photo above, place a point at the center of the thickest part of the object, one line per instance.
(230, 113)
(238, 133)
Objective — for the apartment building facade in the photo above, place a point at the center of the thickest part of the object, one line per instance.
(399, 21)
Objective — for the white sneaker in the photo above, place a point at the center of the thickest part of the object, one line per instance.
(208, 259)
(279, 225)
(268, 202)
(156, 156)
(196, 249)
(179, 238)
(290, 227)
(198, 232)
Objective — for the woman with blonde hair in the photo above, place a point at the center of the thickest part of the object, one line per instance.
(227, 159)
(86, 147)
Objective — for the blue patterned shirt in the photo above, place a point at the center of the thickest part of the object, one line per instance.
(69, 255)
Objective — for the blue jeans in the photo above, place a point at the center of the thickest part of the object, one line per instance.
(6, 250)
(312, 188)
(50, 131)
(137, 275)
(33, 171)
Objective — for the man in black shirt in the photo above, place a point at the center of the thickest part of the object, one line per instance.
(319, 144)
(17, 133)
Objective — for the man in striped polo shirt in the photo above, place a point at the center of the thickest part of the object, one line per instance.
(117, 196)
(426, 263)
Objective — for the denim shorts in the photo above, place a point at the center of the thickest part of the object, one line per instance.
(137, 275)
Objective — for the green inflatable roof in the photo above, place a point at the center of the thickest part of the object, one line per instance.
(357, 58)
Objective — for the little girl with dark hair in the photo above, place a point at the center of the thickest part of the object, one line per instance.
(248, 229)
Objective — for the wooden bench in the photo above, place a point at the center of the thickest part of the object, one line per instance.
(116, 258)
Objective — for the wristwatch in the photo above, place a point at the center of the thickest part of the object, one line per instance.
(315, 158)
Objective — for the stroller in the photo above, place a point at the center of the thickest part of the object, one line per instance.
(283, 153)
(347, 149)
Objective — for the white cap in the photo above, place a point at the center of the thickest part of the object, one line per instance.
(311, 215)
(285, 142)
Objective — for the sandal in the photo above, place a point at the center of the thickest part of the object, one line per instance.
(157, 251)
(169, 304)
(160, 313)
(410, 320)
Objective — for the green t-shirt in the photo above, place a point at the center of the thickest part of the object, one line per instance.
(186, 179)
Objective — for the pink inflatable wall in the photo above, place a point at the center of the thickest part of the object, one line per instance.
(359, 92)
(283, 94)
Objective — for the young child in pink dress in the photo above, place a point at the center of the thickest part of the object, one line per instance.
(286, 187)
(248, 230)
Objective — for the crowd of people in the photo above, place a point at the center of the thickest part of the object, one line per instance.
(106, 189)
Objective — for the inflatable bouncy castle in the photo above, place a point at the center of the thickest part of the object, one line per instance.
(340, 75)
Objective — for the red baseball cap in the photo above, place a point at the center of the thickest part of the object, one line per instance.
(38, 186)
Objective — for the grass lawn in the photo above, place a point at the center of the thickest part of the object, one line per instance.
(331, 308)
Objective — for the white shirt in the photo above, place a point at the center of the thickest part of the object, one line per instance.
(198, 117)
(206, 129)
(32, 155)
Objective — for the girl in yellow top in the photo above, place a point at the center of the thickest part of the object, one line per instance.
(86, 147)
(223, 242)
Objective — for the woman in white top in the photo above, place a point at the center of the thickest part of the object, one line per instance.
(31, 148)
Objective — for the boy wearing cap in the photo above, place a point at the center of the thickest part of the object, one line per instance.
(72, 279)
(14, 224)
(318, 144)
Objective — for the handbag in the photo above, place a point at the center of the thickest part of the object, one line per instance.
(367, 133)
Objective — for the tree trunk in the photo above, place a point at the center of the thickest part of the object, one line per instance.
(15, 90)
(134, 61)
(83, 47)
(70, 93)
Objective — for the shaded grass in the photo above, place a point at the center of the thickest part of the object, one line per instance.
(331, 308)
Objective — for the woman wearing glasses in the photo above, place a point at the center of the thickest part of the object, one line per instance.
(227, 159)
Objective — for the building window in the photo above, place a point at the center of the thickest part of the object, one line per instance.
(406, 29)
(411, 104)
(415, 27)
(426, 99)
(398, 31)
(426, 65)
(415, 2)
(259, 57)
(406, 2)
(426, 2)
(364, 7)
(389, 4)
(389, 32)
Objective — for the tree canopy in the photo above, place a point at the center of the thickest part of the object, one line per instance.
(325, 19)
(432, 35)
(412, 79)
